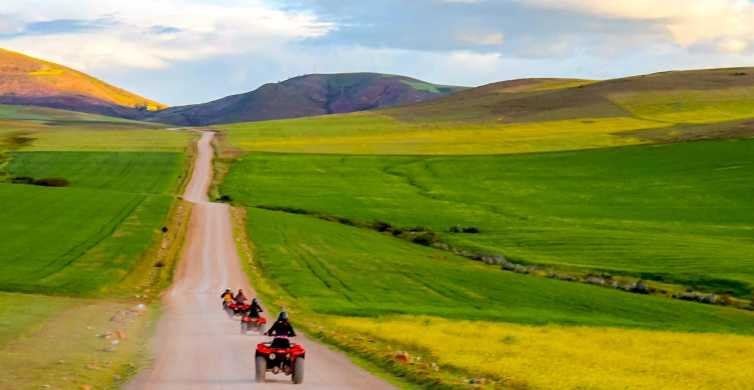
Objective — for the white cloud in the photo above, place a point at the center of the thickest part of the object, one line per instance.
(198, 30)
(727, 25)
(481, 39)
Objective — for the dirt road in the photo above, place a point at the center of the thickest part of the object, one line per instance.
(197, 346)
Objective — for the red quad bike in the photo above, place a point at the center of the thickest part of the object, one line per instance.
(235, 309)
(280, 356)
(248, 323)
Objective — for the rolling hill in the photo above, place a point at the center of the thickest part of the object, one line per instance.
(694, 96)
(308, 95)
(530, 115)
(26, 80)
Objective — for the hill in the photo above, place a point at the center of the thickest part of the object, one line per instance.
(531, 115)
(309, 95)
(26, 80)
(695, 96)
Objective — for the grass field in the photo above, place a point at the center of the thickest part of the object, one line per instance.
(374, 133)
(134, 172)
(85, 239)
(45, 129)
(678, 212)
(336, 269)
(114, 206)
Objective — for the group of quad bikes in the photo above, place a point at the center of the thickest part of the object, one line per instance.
(279, 356)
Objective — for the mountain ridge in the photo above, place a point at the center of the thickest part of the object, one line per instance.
(306, 95)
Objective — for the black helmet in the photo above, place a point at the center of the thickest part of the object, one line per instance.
(253, 300)
(283, 316)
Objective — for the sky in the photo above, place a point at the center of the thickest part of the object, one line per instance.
(192, 51)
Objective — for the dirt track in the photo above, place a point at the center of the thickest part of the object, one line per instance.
(197, 346)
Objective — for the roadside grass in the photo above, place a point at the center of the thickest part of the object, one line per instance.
(678, 213)
(330, 268)
(564, 357)
(21, 313)
(67, 343)
(374, 133)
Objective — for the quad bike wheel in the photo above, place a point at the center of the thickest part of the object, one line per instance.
(260, 366)
(298, 371)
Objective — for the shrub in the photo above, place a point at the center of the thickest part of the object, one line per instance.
(52, 182)
(425, 238)
(22, 180)
(463, 229)
(381, 226)
(225, 198)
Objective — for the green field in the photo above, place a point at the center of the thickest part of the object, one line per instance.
(134, 172)
(680, 212)
(336, 269)
(110, 213)
(87, 238)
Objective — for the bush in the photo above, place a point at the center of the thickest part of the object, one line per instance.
(52, 182)
(225, 199)
(425, 239)
(463, 229)
(22, 180)
(381, 226)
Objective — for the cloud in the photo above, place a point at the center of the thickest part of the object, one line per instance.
(154, 34)
(725, 25)
(9, 24)
(481, 39)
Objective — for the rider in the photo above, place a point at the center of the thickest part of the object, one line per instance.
(254, 309)
(240, 298)
(227, 296)
(281, 330)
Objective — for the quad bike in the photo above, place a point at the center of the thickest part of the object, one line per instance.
(235, 309)
(280, 356)
(256, 323)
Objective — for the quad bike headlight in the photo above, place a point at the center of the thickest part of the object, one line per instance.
(272, 356)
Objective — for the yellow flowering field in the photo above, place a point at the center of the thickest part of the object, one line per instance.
(562, 357)
(367, 133)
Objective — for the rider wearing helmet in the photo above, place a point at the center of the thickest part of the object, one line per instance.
(240, 298)
(281, 330)
(254, 309)
(227, 295)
